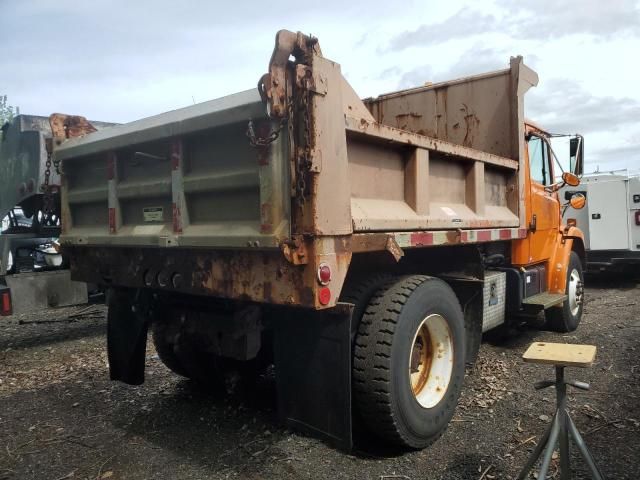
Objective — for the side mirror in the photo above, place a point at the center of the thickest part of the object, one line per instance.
(578, 201)
(570, 179)
(576, 154)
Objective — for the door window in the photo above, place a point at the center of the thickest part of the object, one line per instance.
(539, 160)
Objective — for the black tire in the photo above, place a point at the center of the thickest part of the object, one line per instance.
(562, 319)
(182, 352)
(165, 337)
(359, 291)
(382, 387)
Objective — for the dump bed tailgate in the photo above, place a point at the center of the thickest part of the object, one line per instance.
(188, 177)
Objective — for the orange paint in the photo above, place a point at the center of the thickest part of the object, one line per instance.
(546, 240)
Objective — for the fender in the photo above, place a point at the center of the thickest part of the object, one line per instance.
(569, 239)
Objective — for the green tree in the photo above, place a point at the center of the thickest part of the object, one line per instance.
(7, 112)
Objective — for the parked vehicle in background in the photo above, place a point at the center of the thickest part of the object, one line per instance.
(361, 246)
(32, 272)
(611, 220)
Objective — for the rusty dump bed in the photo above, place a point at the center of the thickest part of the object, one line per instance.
(187, 177)
(303, 168)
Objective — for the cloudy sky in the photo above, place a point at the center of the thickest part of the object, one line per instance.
(122, 60)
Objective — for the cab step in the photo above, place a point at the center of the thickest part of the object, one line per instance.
(545, 300)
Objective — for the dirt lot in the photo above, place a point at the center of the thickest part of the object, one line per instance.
(61, 418)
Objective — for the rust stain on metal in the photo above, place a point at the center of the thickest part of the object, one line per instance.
(295, 250)
(472, 122)
(403, 120)
(69, 126)
(266, 225)
(393, 248)
(453, 236)
(273, 85)
(376, 242)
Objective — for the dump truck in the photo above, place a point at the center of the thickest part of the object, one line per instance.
(610, 221)
(362, 247)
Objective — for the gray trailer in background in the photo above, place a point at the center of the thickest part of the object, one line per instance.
(33, 274)
(610, 221)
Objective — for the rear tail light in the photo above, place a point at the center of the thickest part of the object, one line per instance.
(324, 296)
(324, 274)
(637, 217)
(5, 301)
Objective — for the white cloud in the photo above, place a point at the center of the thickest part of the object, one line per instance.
(119, 60)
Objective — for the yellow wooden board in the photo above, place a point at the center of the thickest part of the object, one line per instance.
(563, 354)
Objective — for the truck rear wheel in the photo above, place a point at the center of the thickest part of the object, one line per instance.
(359, 291)
(180, 351)
(166, 336)
(409, 360)
(567, 318)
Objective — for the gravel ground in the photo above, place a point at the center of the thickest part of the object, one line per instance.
(61, 418)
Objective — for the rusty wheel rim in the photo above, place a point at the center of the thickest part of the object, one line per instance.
(431, 361)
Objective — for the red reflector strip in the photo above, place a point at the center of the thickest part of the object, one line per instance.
(455, 237)
(177, 219)
(422, 238)
(484, 235)
(6, 303)
(112, 220)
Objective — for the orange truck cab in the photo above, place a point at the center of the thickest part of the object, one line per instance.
(557, 249)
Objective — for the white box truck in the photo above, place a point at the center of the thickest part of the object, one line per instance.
(610, 221)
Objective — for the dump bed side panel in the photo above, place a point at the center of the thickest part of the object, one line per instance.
(414, 183)
(476, 112)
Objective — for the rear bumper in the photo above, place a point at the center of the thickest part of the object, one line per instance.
(259, 275)
(611, 260)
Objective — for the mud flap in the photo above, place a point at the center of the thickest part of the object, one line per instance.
(313, 373)
(126, 337)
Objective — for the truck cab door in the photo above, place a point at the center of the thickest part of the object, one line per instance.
(543, 210)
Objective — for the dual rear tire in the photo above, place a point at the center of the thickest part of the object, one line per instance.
(408, 360)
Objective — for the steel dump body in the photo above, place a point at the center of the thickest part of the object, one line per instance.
(368, 242)
(184, 196)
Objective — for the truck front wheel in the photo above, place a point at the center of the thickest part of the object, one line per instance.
(408, 366)
(567, 317)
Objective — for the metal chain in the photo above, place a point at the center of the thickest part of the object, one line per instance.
(303, 153)
(263, 142)
(48, 200)
(304, 157)
(47, 195)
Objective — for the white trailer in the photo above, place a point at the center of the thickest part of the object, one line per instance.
(610, 221)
